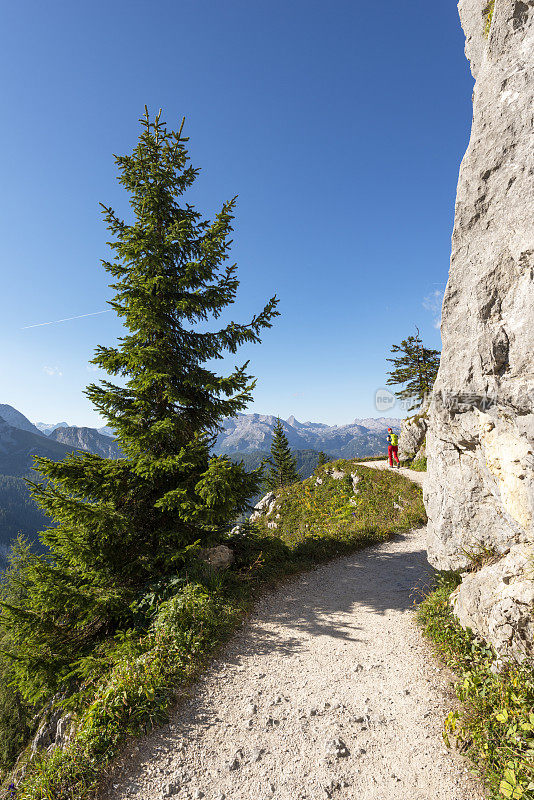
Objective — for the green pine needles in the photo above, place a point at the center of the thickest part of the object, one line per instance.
(322, 459)
(120, 526)
(282, 464)
(415, 368)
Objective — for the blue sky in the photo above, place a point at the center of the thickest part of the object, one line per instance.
(341, 127)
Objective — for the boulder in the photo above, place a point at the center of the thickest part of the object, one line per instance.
(413, 435)
(46, 732)
(337, 474)
(63, 729)
(497, 603)
(265, 502)
(217, 558)
(265, 506)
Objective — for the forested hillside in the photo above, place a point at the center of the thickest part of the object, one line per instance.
(18, 513)
(306, 460)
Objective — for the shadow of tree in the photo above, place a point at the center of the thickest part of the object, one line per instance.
(315, 602)
(318, 603)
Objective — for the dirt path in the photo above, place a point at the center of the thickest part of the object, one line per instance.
(327, 690)
(411, 474)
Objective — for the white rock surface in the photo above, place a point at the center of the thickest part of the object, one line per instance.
(480, 445)
(413, 435)
(264, 507)
(497, 602)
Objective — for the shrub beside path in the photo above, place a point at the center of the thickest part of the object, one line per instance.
(327, 690)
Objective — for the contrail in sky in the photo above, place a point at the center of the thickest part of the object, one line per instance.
(67, 319)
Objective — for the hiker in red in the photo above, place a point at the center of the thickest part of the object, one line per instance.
(393, 446)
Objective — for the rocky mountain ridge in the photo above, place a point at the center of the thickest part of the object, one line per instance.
(245, 433)
(18, 447)
(87, 439)
(47, 428)
(480, 486)
(249, 432)
(14, 418)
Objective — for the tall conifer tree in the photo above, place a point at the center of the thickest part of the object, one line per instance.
(322, 459)
(415, 368)
(122, 524)
(283, 466)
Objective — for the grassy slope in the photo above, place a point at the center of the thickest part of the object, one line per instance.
(145, 672)
(495, 722)
(322, 516)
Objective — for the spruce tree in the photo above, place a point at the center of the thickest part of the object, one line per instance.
(282, 465)
(415, 368)
(322, 459)
(122, 524)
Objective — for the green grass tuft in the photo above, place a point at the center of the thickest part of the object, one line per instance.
(495, 722)
(488, 16)
(419, 465)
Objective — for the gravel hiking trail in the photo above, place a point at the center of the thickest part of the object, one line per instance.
(327, 690)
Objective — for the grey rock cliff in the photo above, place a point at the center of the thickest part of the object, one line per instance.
(480, 485)
(412, 439)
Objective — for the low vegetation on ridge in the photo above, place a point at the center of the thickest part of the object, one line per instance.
(342, 505)
(494, 724)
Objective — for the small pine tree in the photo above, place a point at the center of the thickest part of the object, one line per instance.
(123, 524)
(322, 459)
(283, 466)
(416, 368)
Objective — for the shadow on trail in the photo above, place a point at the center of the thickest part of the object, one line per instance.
(314, 604)
(320, 603)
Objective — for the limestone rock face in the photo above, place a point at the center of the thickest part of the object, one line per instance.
(497, 603)
(265, 506)
(412, 439)
(480, 444)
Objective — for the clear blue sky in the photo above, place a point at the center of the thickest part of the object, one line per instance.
(341, 127)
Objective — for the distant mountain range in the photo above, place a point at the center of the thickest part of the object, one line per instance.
(18, 512)
(246, 433)
(17, 420)
(246, 437)
(87, 439)
(18, 446)
(47, 428)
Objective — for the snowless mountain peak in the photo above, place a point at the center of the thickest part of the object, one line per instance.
(248, 432)
(17, 420)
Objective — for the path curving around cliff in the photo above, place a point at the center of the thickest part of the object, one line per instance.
(411, 474)
(327, 690)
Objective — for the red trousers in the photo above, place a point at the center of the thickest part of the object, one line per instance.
(392, 451)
